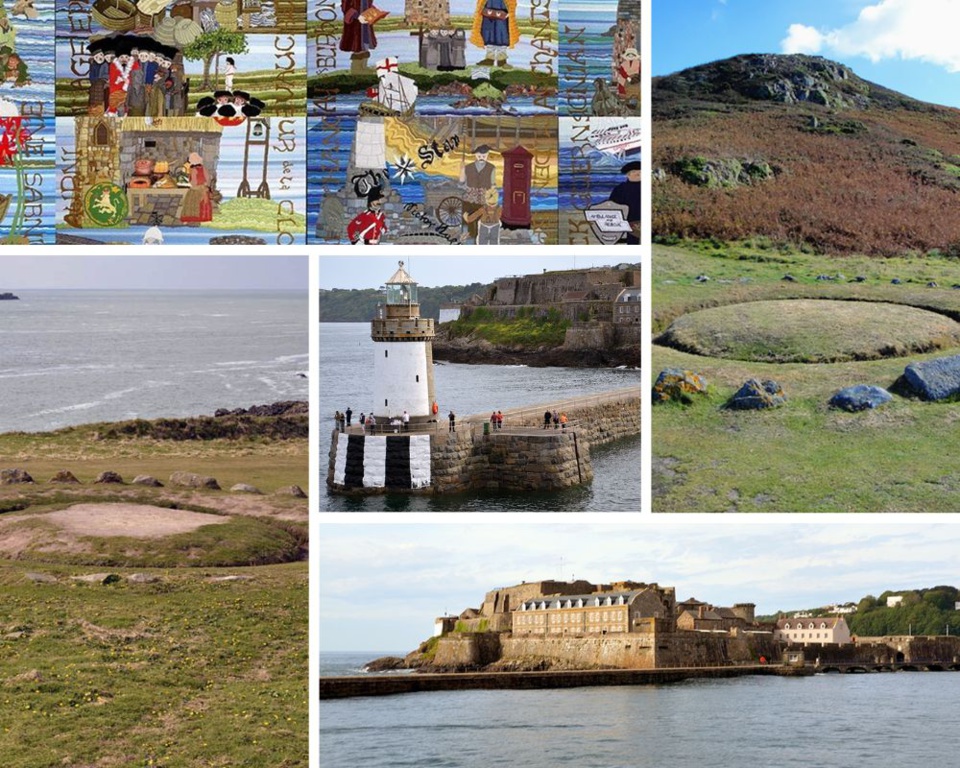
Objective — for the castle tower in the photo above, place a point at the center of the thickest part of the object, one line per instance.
(403, 353)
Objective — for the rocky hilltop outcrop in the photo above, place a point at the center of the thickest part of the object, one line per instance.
(769, 77)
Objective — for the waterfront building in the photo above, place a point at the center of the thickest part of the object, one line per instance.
(813, 629)
(403, 353)
(597, 613)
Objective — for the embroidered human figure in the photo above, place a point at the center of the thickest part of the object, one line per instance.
(495, 29)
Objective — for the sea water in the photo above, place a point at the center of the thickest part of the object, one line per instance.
(346, 365)
(75, 357)
(886, 719)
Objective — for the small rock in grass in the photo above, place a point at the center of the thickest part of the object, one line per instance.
(755, 395)
(291, 490)
(147, 480)
(109, 478)
(65, 476)
(193, 480)
(932, 284)
(936, 379)
(677, 385)
(860, 279)
(14, 477)
(861, 397)
(789, 278)
(896, 281)
(703, 279)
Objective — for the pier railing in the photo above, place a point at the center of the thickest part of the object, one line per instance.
(514, 419)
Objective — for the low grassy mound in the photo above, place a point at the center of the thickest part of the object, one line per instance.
(811, 331)
(130, 535)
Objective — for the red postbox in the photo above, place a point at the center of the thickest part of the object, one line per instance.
(517, 175)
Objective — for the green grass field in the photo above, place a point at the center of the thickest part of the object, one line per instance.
(161, 651)
(804, 456)
(184, 671)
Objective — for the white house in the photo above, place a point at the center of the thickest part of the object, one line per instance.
(813, 629)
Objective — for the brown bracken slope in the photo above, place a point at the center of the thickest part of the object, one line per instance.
(801, 150)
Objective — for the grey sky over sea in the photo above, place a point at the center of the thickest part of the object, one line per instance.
(152, 272)
(431, 271)
(382, 586)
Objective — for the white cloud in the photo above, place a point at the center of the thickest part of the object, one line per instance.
(381, 586)
(801, 39)
(907, 29)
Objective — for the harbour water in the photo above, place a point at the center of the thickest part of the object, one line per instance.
(346, 363)
(885, 719)
(75, 357)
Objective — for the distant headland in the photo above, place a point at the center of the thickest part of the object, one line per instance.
(8, 297)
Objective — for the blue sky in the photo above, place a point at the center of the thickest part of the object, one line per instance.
(907, 45)
(382, 585)
(136, 272)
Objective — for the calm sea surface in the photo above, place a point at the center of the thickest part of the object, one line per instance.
(346, 365)
(74, 357)
(888, 719)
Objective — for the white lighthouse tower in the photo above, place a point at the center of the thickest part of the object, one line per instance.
(403, 353)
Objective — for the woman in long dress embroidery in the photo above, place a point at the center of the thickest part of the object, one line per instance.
(197, 205)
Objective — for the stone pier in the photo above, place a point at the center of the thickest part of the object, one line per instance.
(519, 457)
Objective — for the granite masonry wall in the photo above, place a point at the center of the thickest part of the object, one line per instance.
(537, 460)
(635, 650)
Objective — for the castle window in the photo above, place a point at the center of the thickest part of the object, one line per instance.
(384, 403)
(386, 353)
(418, 378)
(150, 143)
(101, 135)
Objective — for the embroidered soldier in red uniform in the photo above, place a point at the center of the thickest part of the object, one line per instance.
(368, 226)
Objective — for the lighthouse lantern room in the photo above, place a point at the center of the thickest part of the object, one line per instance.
(403, 353)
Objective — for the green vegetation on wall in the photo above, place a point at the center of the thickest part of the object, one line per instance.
(527, 328)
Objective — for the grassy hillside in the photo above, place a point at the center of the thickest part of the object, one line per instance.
(838, 164)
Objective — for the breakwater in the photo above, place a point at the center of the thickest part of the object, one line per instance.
(388, 685)
(522, 455)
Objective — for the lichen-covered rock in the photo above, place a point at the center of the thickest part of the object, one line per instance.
(291, 490)
(936, 379)
(109, 478)
(14, 476)
(678, 385)
(755, 395)
(244, 488)
(150, 482)
(65, 476)
(861, 397)
(193, 480)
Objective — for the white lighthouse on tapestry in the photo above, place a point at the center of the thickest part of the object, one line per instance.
(403, 353)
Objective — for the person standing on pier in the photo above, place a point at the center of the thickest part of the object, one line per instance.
(349, 416)
(546, 419)
(406, 421)
(499, 419)
(453, 422)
